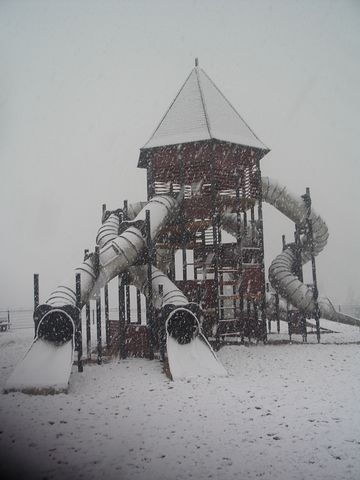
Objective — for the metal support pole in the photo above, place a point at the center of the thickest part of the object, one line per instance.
(36, 290)
(269, 319)
(162, 331)
(150, 180)
(138, 306)
(98, 328)
(122, 326)
(36, 299)
(277, 309)
(307, 201)
(172, 266)
(128, 302)
(299, 273)
(98, 311)
(149, 302)
(262, 255)
(288, 320)
(78, 333)
(107, 320)
(88, 331)
(125, 210)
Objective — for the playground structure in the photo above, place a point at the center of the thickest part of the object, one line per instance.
(195, 249)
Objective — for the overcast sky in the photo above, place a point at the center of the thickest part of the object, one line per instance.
(84, 84)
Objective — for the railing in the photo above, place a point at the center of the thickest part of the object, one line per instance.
(18, 318)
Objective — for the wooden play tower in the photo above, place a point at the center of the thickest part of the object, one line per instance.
(204, 146)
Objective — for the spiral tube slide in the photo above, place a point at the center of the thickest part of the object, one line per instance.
(280, 271)
(281, 268)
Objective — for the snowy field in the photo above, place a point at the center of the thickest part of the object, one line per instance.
(284, 412)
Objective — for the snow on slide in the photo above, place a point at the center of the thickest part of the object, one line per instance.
(45, 368)
(193, 359)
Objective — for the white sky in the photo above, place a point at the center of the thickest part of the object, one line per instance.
(84, 84)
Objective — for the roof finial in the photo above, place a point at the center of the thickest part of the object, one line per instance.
(196, 62)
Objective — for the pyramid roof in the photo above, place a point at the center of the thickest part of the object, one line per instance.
(201, 112)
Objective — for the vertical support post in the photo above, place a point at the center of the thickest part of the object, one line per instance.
(269, 319)
(98, 328)
(162, 331)
(78, 326)
(277, 301)
(261, 246)
(150, 180)
(128, 301)
(172, 266)
(149, 302)
(299, 273)
(122, 321)
(307, 201)
(88, 319)
(36, 299)
(125, 210)
(98, 311)
(107, 319)
(88, 331)
(239, 261)
(36, 290)
(215, 221)
(138, 306)
(247, 328)
(184, 262)
(288, 321)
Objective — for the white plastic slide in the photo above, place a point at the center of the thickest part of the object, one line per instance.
(45, 369)
(193, 359)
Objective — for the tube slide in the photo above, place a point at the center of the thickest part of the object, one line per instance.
(280, 272)
(55, 328)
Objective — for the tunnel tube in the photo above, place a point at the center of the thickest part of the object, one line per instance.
(184, 324)
(280, 272)
(116, 255)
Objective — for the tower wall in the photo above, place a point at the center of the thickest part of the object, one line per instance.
(225, 274)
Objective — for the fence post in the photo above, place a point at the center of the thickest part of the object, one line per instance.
(36, 298)
(78, 333)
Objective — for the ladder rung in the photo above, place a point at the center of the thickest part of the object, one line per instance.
(229, 297)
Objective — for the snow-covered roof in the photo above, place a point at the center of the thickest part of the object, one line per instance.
(201, 112)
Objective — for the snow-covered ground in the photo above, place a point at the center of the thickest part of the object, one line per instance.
(284, 412)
